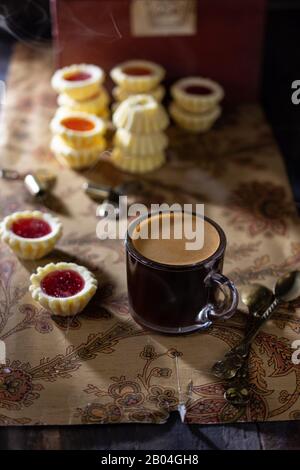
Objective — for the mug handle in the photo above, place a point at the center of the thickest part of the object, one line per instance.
(228, 306)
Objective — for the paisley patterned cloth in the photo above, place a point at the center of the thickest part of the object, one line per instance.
(101, 367)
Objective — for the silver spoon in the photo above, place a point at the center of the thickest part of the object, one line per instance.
(257, 298)
(287, 288)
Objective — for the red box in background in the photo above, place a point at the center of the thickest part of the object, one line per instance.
(220, 39)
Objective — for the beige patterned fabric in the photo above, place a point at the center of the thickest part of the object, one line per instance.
(100, 367)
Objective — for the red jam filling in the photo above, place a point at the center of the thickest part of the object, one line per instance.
(62, 283)
(198, 90)
(30, 227)
(78, 124)
(137, 71)
(77, 76)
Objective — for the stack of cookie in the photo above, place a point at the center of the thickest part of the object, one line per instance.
(196, 103)
(77, 140)
(140, 142)
(78, 130)
(137, 77)
(80, 89)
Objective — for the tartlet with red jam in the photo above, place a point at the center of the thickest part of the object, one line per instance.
(30, 234)
(137, 76)
(197, 94)
(194, 122)
(63, 288)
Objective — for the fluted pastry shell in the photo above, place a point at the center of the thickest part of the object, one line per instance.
(79, 89)
(193, 122)
(121, 94)
(103, 113)
(63, 306)
(78, 139)
(140, 144)
(137, 164)
(195, 103)
(137, 83)
(94, 105)
(30, 248)
(141, 114)
(76, 158)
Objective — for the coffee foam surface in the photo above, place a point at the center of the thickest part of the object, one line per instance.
(173, 251)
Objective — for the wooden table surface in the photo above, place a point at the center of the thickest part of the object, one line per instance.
(170, 436)
(173, 435)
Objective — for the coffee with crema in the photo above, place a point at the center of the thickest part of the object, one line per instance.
(172, 289)
(173, 251)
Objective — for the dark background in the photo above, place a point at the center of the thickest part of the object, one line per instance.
(280, 67)
(30, 21)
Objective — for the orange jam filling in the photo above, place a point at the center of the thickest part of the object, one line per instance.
(137, 71)
(78, 124)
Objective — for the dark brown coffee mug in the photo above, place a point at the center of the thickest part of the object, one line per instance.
(181, 298)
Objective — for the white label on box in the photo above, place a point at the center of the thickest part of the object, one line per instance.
(163, 17)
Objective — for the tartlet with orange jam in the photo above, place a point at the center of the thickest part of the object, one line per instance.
(78, 129)
(78, 81)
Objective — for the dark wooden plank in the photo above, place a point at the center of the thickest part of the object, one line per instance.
(171, 436)
(282, 436)
(4, 438)
(31, 438)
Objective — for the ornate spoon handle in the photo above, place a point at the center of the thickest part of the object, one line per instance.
(237, 392)
(234, 359)
(243, 348)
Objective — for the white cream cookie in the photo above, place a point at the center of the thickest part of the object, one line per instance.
(141, 114)
(135, 164)
(139, 144)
